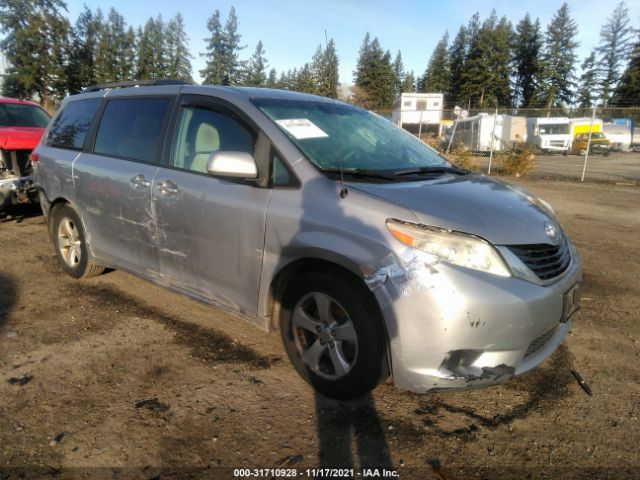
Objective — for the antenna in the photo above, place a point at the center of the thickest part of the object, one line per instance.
(343, 190)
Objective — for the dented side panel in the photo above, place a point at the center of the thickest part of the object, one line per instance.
(118, 215)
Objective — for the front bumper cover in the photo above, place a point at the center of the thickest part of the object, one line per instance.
(436, 313)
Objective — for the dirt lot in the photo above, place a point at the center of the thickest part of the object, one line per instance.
(116, 378)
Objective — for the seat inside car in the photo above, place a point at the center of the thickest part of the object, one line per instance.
(207, 140)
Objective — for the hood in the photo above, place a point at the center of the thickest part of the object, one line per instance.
(501, 213)
(20, 138)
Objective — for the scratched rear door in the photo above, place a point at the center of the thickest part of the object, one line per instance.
(114, 182)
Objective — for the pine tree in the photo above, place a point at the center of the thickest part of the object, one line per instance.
(587, 81)
(437, 76)
(628, 90)
(178, 56)
(487, 72)
(222, 52)
(615, 46)
(527, 49)
(255, 74)
(457, 55)
(374, 75)
(409, 83)
(398, 72)
(304, 81)
(272, 79)
(324, 67)
(213, 73)
(84, 39)
(558, 60)
(32, 47)
(233, 67)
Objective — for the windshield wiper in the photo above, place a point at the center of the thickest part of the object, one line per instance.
(431, 169)
(359, 172)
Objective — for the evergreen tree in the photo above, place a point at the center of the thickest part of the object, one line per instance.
(304, 81)
(374, 76)
(615, 46)
(222, 52)
(457, 55)
(587, 81)
(255, 75)
(558, 60)
(527, 49)
(233, 66)
(409, 83)
(398, 72)
(487, 72)
(437, 76)
(213, 73)
(628, 90)
(324, 66)
(84, 39)
(272, 79)
(33, 47)
(178, 56)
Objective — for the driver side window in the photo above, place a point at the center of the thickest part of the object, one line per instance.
(202, 131)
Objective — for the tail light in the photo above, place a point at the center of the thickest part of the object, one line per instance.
(34, 157)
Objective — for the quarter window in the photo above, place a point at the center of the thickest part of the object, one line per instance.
(70, 127)
(131, 128)
(202, 131)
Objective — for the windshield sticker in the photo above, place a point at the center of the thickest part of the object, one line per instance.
(302, 128)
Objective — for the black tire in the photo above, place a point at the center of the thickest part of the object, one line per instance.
(368, 364)
(80, 266)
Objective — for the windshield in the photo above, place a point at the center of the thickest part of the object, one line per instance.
(18, 115)
(597, 135)
(330, 134)
(553, 129)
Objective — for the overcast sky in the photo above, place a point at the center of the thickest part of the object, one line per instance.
(291, 30)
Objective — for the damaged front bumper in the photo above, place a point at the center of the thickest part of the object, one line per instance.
(17, 191)
(453, 328)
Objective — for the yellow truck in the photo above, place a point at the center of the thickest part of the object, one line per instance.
(579, 131)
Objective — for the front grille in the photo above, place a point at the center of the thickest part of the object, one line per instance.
(539, 342)
(546, 261)
(556, 143)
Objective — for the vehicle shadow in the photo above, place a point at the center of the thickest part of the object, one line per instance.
(340, 424)
(19, 212)
(8, 295)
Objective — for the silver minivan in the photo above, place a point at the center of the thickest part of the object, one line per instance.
(371, 253)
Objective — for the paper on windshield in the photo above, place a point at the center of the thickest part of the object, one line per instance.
(302, 128)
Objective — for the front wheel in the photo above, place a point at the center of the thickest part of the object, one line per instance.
(333, 335)
(70, 244)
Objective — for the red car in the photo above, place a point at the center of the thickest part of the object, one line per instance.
(21, 126)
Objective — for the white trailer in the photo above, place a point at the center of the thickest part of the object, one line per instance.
(418, 111)
(514, 131)
(474, 133)
(619, 136)
(549, 134)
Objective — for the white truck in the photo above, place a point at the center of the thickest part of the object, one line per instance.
(475, 133)
(549, 134)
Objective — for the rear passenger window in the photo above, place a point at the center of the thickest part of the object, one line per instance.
(70, 128)
(130, 128)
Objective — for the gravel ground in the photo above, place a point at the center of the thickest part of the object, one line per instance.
(114, 377)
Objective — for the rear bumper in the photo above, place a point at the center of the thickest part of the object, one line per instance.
(454, 328)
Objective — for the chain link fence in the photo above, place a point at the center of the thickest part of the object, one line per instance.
(595, 144)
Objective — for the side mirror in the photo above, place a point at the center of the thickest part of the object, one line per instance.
(232, 164)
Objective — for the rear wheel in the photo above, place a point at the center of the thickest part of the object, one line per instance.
(333, 335)
(70, 244)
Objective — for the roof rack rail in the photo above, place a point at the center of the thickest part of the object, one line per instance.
(137, 83)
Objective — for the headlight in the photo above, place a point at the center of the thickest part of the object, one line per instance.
(452, 247)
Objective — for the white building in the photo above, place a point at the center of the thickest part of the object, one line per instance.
(418, 111)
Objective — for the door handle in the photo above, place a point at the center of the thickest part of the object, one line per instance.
(168, 188)
(140, 181)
